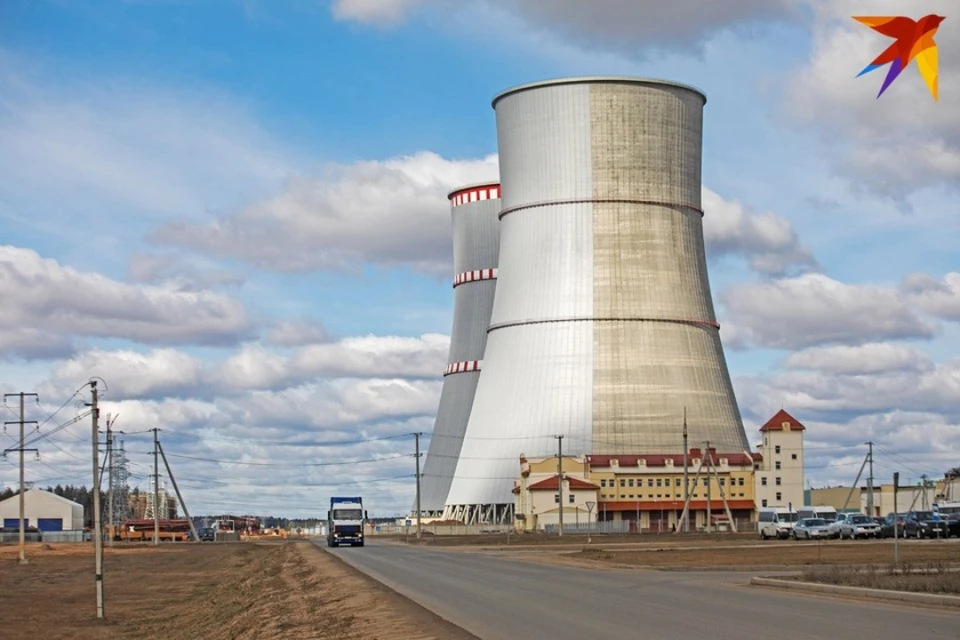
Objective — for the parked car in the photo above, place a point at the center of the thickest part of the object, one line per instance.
(810, 529)
(923, 524)
(915, 524)
(859, 526)
(953, 524)
(838, 522)
(207, 534)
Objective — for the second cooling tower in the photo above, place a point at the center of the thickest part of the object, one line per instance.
(603, 328)
(476, 242)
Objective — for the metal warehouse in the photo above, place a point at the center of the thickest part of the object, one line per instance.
(43, 510)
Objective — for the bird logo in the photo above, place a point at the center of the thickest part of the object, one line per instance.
(914, 40)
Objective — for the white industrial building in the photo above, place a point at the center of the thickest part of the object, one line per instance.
(43, 510)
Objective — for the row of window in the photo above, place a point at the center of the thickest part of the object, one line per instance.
(624, 483)
(763, 481)
(776, 450)
(650, 496)
(779, 498)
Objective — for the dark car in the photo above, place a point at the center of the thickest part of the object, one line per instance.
(207, 534)
(915, 524)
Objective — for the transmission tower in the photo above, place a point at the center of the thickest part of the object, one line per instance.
(120, 488)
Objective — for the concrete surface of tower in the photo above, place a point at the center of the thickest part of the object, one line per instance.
(476, 241)
(603, 328)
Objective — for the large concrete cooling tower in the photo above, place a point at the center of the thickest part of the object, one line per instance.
(603, 328)
(476, 241)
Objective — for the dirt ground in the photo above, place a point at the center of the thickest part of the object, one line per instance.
(212, 591)
(542, 540)
(927, 578)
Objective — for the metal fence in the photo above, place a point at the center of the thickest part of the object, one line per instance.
(609, 527)
(66, 536)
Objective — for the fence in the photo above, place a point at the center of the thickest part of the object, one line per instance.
(441, 529)
(66, 536)
(608, 527)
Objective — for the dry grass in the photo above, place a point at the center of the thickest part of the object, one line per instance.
(932, 577)
(795, 554)
(227, 591)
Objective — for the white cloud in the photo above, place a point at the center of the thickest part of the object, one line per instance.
(178, 271)
(295, 333)
(941, 299)
(627, 25)
(129, 374)
(901, 142)
(391, 212)
(384, 13)
(41, 295)
(768, 241)
(875, 357)
(813, 309)
(95, 149)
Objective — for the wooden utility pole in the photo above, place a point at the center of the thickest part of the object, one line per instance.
(176, 489)
(22, 450)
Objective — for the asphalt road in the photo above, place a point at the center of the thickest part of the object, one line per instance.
(493, 598)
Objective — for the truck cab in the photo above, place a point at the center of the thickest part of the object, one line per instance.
(345, 522)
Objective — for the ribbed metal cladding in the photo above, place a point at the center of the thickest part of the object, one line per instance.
(476, 243)
(603, 326)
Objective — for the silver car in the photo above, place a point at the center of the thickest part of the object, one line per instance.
(811, 529)
(859, 526)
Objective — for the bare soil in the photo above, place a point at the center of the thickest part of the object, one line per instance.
(567, 540)
(927, 577)
(789, 555)
(214, 591)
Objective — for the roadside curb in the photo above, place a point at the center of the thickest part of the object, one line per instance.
(877, 594)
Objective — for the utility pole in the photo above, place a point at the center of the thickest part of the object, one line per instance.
(97, 524)
(709, 467)
(176, 489)
(22, 450)
(560, 478)
(156, 487)
(686, 482)
(870, 480)
(896, 518)
(416, 444)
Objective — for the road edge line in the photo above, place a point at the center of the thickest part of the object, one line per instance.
(912, 597)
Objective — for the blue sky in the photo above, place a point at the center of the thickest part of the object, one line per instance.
(233, 211)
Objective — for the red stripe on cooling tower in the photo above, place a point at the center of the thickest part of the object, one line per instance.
(463, 367)
(475, 194)
(702, 323)
(548, 203)
(474, 276)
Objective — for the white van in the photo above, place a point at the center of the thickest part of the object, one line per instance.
(776, 522)
(826, 513)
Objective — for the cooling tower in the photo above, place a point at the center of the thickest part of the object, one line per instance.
(603, 328)
(476, 237)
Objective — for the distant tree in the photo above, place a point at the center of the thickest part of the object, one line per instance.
(953, 473)
(7, 493)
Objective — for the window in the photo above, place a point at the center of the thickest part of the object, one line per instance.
(778, 465)
(723, 482)
(630, 496)
(677, 483)
(778, 481)
(779, 496)
(793, 456)
(763, 481)
(623, 483)
(659, 482)
(603, 483)
(571, 498)
(776, 449)
(556, 498)
(764, 503)
(740, 482)
(631, 482)
(650, 482)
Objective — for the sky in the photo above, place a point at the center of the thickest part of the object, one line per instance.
(233, 213)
